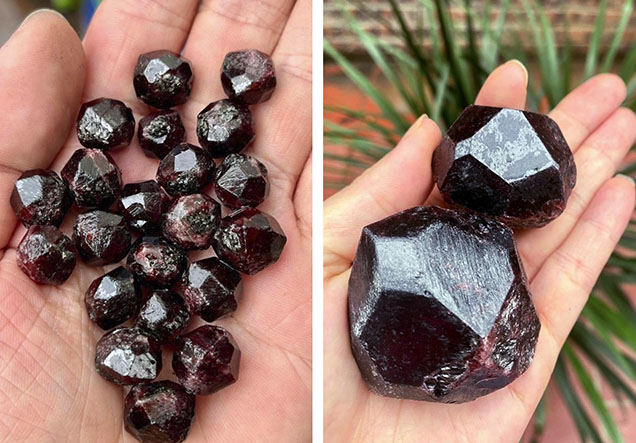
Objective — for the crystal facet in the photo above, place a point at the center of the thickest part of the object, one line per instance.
(105, 124)
(163, 79)
(225, 127)
(241, 180)
(40, 197)
(160, 132)
(143, 204)
(509, 164)
(101, 237)
(156, 262)
(185, 170)
(164, 315)
(93, 178)
(112, 298)
(191, 221)
(248, 76)
(46, 255)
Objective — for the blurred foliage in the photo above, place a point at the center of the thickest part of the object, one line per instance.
(65, 5)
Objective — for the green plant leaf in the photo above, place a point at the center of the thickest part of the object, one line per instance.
(610, 55)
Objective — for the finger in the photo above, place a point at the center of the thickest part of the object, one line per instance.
(505, 87)
(400, 180)
(42, 69)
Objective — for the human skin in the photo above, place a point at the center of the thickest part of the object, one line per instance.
(49, 389)
(562, 260)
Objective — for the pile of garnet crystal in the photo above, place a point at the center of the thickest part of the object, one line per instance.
(147, 301)
(439, 305)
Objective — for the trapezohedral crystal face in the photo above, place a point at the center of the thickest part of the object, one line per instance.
(225, 127)
(93, 178)
(40, 197)
(105, 124)
(439, 307)
(163, 79)
(248, 76)
(510, 164)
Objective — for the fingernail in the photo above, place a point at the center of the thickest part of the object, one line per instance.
(626, 177)
(417, 124)
(523, 68)
(39, 11)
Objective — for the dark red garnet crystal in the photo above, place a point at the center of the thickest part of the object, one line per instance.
(127, 356)
(46, 255)
(156, 262)
(158, 412)
(93, 178)
(206, 360)
(249, 240)
(101, 237)
(143, 204)
(112, 298)
(225, 127)
(191, 221)
(439, 308)
(248, 76)
(509, 164)
(241, 180)
(105, 124)
(210, 288)
(40, 197)
(160, 132)
(164, 315)
(163, 79)
(185, 170)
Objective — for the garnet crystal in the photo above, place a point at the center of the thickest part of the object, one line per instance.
(112, 298)
(248, 76)
(46, 255)
(192, 221)
(143, 204)
(439, 308)
(241, 181)
(105, 124)
(185, 170)
(160, 132)
(225, 127)
(163, 79)
(101, 237)
(93, 178)
(164, 315)
(40, 197)
(509, 164)
(156, 262)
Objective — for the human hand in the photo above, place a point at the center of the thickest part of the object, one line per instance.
(49, 389)
(562, 261)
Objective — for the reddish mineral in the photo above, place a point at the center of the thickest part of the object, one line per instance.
(46, 255)
(101, 237)
(191, 221)
(105, 124)
(248, 76)
(156, 262)
(225, 127)
(112, 298)
(160, 132)
(163, 79)
(164, 315)
(241, 181)
(143, 204)
(93, 178)
(185, 170)
(40, 197)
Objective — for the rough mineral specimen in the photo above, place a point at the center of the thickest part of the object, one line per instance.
(143, 204)
(509, 164)
(225, 127)
(248, 76)
(127, 356)
(101, 237)
(105, 124)
(112, 298)
(93, 178)
(191, 221)
(40, 197)
(439, 308)
(46, 255)
(185, 170)
(164, 315)
(160, 132)
(249, 240)
(158, 412)
(241, 181)
(156, 262)
(206, 360)
(210, 288)
(163, 79)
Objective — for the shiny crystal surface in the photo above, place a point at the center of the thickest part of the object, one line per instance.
(249, 240)
(158, 412)
(143, 204)
(225, 127)
(210, 288)
(191, 221)
(185, 170)
(248, 76)
(509, 164)
(160, 132)
(46, 255)
(163, 79)
(101, 237)
(241, 180)
(206, 360)
(40, 197)
(439, 307)
(164, 315)
(127, 356)
(112, 298)
(156, 262)
(93, 178)
(105, 124)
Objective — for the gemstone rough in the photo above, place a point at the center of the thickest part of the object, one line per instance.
(105, 124)
(40, 197)
(160, 132)
(46, 255)
(101, 237)
(164, 315)
(225, 127)
(112, 298)
(156, 262)
(185, 170)
(191, 221)
(163, 79)
(143, 204)
(241, 180)
(439, 307)
(248, 76)
(93, 178)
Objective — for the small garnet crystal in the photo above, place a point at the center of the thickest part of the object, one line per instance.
(241, 181)
(93, 178)
(439, 308)
(143, 204)
(160, 132)
(509, 164)
(210, 288)
(206, 360)
(248, 76)
(185, 170)
(249, 240)
(46, 255)
(225, 127)
(192, 221)
(101, 237)
(105, 124)
(158, 412)
(163, 79)
(156, 262)
(112, 298)
(127, 356)
(164, 315)
(40, 197)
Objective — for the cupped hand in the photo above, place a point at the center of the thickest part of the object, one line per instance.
(49, 390)
(562, 260)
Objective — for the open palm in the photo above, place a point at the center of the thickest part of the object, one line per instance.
(49, 390)
(562, 260)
